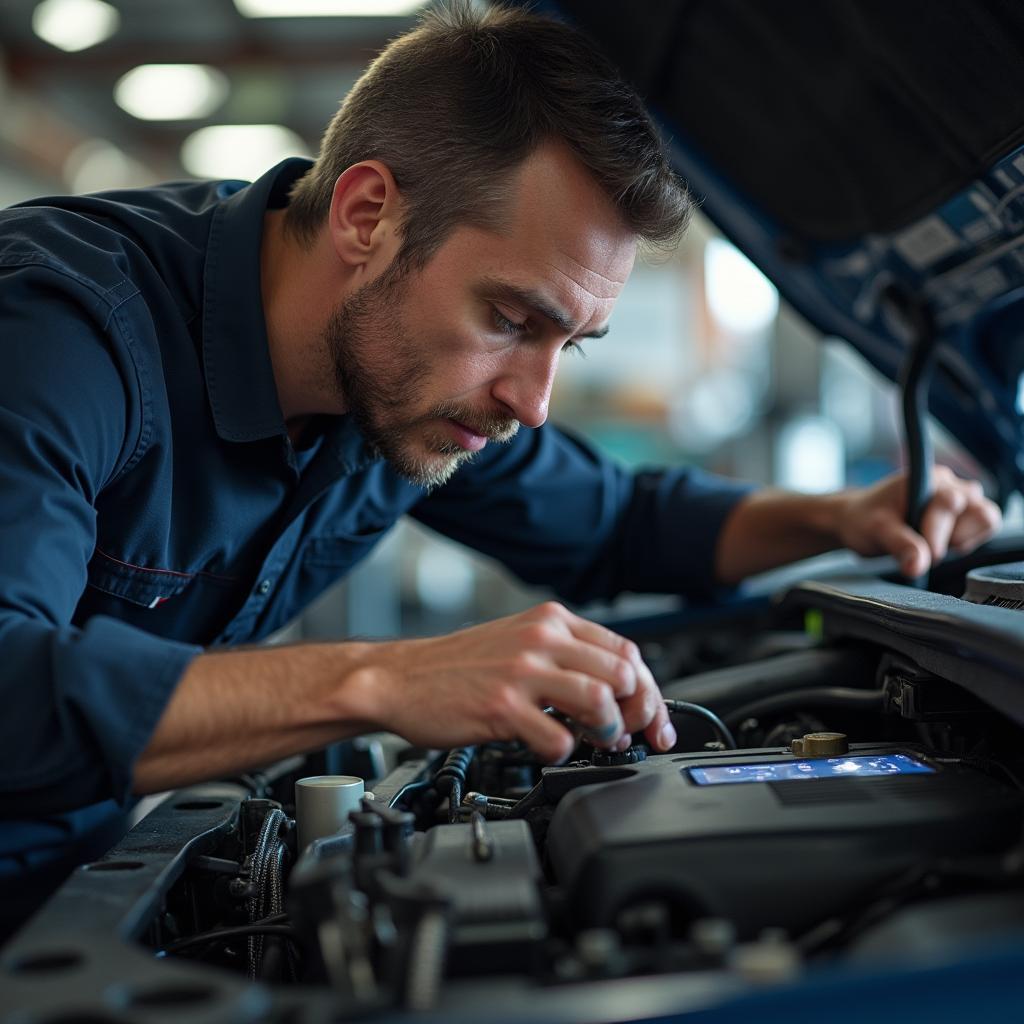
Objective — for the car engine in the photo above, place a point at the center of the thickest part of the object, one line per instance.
(845, 797)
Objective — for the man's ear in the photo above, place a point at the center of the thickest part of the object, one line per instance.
(365, 216)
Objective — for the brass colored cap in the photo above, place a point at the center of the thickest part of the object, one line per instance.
(824, 744)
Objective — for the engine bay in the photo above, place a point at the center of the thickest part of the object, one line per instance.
(845, 797)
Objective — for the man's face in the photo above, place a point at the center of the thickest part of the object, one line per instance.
(436, 364)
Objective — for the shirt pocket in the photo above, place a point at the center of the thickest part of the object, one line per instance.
(146, 588)
(342, 550)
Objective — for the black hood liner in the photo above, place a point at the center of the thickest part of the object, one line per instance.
(837, 119)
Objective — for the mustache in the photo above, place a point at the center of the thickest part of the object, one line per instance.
(493, 426)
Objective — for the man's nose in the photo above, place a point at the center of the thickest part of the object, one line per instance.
(525, 387)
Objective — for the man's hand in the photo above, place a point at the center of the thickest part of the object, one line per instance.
(490, 682)
(871, 520)
(770, 528)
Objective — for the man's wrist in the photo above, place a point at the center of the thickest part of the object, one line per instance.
(824, 514)
(773, 528)
(356, 693)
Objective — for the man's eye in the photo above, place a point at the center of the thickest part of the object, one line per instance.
(505, 325)
(574, 348)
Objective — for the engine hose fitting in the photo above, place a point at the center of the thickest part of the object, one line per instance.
(450, 779)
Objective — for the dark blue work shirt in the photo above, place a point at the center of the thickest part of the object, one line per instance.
(152, 504)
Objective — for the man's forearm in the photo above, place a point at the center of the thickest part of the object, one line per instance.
(239, 709)
(772, 528)
(235, 710)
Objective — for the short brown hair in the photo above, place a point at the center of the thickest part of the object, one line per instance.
(455, 105)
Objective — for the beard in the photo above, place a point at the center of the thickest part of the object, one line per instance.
(381, 372)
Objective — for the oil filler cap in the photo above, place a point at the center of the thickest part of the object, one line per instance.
(608, 758)
(821, 744)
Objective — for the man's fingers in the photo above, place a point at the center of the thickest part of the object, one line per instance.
(958, 514)
(660, 733)
(906, 545)
(969, 543)
(644, 710)
(546, 736)
(597, 677)
(978, 523)
(589, 702)
(639, 711)
(601, 637)
(609, 666)
(947, 505)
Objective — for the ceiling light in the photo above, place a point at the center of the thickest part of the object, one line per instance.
(75, 24)
(740, 297)
(171, 92)
(239, 150)
(326, 8)
(98, 164)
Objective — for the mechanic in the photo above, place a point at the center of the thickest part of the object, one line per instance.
(216, 397)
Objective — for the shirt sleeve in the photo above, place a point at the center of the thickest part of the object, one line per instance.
(557, 512)
(80, 703)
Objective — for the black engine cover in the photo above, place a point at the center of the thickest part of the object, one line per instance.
(766, 853)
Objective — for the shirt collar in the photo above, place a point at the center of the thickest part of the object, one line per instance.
(236, 359)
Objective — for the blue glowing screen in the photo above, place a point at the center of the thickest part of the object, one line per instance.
(857, 766)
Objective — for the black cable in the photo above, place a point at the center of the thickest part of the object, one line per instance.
(496, 812)
(454, 799)
(451, 778)
(819, 697)
(230, 933)
(915, 381)
(277, 904)
(491, 808)
(506, 801)
(684, 707)
(409, 788)
(267, 876)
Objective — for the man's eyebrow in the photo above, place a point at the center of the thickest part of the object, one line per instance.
(537, 303)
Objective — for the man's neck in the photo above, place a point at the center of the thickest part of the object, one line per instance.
(294, 287)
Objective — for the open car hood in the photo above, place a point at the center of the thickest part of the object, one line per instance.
(854, 150)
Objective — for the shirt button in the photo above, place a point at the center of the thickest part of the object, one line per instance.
(264, 588)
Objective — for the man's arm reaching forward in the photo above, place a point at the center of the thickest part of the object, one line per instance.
(772, 528)
(239, 709)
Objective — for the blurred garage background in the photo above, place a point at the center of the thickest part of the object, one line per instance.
(703, 364)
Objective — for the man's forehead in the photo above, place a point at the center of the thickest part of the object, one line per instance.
(604, 281)
(559, 215)
(587, 291)
(577, 297)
